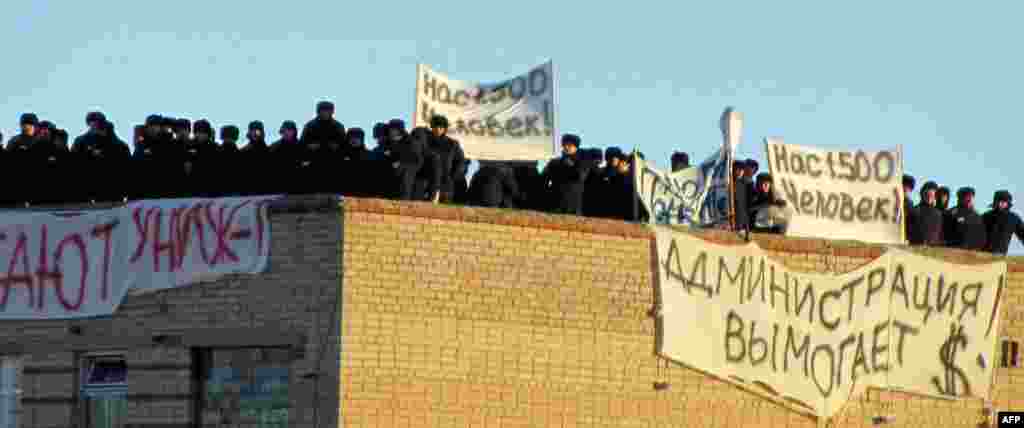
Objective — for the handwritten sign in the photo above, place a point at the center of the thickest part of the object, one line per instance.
(82, 264)
(694, 196)
(903, 322)
(840, 194)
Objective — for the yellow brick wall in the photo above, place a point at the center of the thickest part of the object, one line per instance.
(462, 317)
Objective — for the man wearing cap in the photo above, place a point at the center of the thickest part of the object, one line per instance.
(622, 191)
(227, 155)
(909, 214)
(19, 158)
(596, 200)
(94, 121)
(451, 157)
(255, 157)
(1001, 224)
(193, 175)
(321, 140)
(963, 226)
(50, 159)
(565, 177)
(928, 221)
(767, 210)
(323, 129)
(743, 189)
(408, 155)
(287, 156)
(680, 161)
(354, 177)
(942, 198)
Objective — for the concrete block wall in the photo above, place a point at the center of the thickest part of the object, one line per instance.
(467, 317)
(298, 293)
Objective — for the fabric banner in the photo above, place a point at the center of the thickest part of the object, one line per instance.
(840, 194)
(903, 322)
(76, 265)
(513, 120)
(681, 197)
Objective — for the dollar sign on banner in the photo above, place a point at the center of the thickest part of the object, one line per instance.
(947, 355)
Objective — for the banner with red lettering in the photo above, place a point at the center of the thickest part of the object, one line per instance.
(75, 265)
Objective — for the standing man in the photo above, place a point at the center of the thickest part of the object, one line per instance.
(565, 177)
(451, 157)
(743, 195)
(928, 224)
(255, 156)
(964, 228)
(909, 215)
(19, 158)
(1001, 224)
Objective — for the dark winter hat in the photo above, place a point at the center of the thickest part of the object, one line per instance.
(47, 125)
(738, 164)
(324, 106)
(94, 116)
(931, 185)
(1002, 195)
(256, 125)
(229, 132)
(60, 134)
(765, 177)
(614, 153)
(29, 119)
(154, 119)
(183, 124)
(356, 132)
(420, 132)
(680, 157)
(909, 181)
(572, 139)
(202, 126)
(169, 122)
(438, 121)
(396, 124)
(752, 164)
(943, 190)
(965, 191)
(289, 125)
(380, 130)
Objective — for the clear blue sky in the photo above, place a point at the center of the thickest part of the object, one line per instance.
(940, 78)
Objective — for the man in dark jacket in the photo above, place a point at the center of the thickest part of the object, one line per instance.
(763, 199)
(19, 159)
(287, 155)
(680, 161)
(963, 226)
(942, 198)
(565, 178)
(928, 224)
(494, 185)
(198, 163)
(1001, 224)
(909, 215)
(408, 156)
(743, 189)
(182, 131)
(226, 158)
(622, 200)
(352, 174)
(255, 158)
(323, 130)
(596, 201)
(450, 155)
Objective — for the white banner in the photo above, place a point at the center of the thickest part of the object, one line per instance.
(513, 120)
(681, 197)
(74, 266)
(839, 194)
(902, 321)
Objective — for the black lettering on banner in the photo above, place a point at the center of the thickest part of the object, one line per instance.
(734, 332)
(899, 285)
(797, 163)
(862, 166)
(947, 356)
(476, 127)
(429, 86)
(860, 359)
(426, 112)
(846, 210)
(864, 213)
(833, 294)
(754, 343)
(538, 82)
(972, 303)
(517, 88)
(759, 284)
(924, 303)
(848, 341)
(807, 203)
(790, 194)
(945, 296)
(876, 282)
(825, 392)
(812, 165)
(443, 94)
(775, 342)
(781, 161)
(461, 128)
(700, 264)
(880, 209)
(903, 330)
(890, 166)
(877, 349)
(831, 165)
(462, 95)
(783, 290)
(549, 118)
(851, 291)
(531, 126)
(844, 162)
(807, 297)
(798, 352)
(494, 127)
(674, 269)
(512, 126)
(740, 276)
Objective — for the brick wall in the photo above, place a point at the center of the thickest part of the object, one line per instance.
(297, 296)
(464, 317)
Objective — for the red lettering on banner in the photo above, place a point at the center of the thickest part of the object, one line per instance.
(43, 274)
(77, 241)
(104, 232)
(260, 209)
(142, 227)
(191, 219)
(222, 228)
(24, 278)
(159, 246)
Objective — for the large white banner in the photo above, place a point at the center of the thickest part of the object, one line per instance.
(902, 321)
(681, 197)
(512, 120)
(76, 265)
(839, 194)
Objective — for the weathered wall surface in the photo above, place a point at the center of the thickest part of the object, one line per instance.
(292, 304)
(461, 317)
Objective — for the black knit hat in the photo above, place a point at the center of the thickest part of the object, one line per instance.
(153, 120)
(909, 181)
(202, 125)
(965, 191)
(289, 125)
(396, 124)
(1001, 196)
(380, 130)
(614, 153)
(438, 121)
(254, 125)
(680, 157)
(229, 132)
(930, 185)
(355, 132)
(94, 116)
(572, 139)
(29, 119)
(183, 124)
(324, 105)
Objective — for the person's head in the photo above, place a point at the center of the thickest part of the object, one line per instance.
(570, 144)
(1002, 200)
(739, 168)
(420, 133)
(680, 161)
(229, 134)
(45, 130)
(355, 137)
(324, 110)
(29, 122)
(439, 125)
(752, 168)
(169, 125)
(380, 132)
(289, 130)
(908, 184)
(396, 130)
(154, 124)
(613, 156)
(202, 130)
(60, 138)
(94, 120)
(764, 182)
(965, 197)
(942, 196)
(928, 192)
(183, 128)
(256, 131)
(621, 162)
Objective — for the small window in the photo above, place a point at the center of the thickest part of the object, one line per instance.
(10, 392)
(105, 391)
(1011, 353)
(245, 387)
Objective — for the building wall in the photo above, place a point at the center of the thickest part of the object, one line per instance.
(465, 317)
(293, 303)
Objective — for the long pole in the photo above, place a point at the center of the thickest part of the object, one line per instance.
(636, 200)
(415, 98)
